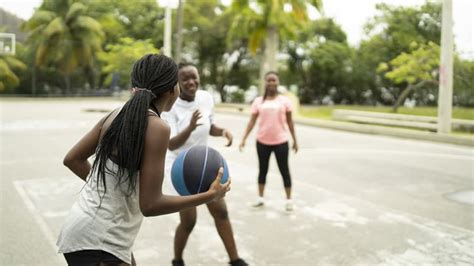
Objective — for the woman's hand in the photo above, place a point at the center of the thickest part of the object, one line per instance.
(242, 145)
(226, 134)
(193, 124)
(295, 146)
(217, 189)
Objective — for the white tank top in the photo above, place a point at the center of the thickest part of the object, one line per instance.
(112, 228)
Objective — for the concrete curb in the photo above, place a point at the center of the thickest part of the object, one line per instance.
(366, 129)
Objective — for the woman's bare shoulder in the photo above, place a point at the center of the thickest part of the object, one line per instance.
(157, 127)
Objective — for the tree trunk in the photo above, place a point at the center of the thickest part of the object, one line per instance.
(269, 59)
(90, 76)
(218, 79)
(33, 72)
(220, 88)
(407, 92)
(179, 31)
(402, 97)
(33, 80)
(67, 84)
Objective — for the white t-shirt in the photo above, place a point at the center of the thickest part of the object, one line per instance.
(178, 119)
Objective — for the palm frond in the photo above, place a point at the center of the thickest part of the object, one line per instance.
(41, 54)
(39, 18)
(55, 27)
(88, 24)
(14, 63)
(239, 4)
(7, 76)
(255, 39)
(299, 9)
(36, 33)
(318, 4)
(74, 11)
(70, 63)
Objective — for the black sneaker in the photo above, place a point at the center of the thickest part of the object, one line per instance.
(238, 262)
(177, 263)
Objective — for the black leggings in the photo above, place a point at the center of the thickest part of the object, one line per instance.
(281, 154)
(92, 258)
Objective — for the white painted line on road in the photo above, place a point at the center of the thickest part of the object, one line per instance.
(377, 152)
(24, 160)
(35, 214)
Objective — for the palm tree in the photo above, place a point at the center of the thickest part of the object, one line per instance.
(263, 21)
(64, 36)
(8, 66)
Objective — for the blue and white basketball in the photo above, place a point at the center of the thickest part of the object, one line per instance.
(196, 168)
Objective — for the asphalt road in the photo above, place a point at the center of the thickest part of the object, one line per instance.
(360, 199)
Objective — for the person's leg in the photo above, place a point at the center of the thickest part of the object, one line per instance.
(281, 154)
(263, 152)
(218, 210)
(184, 229)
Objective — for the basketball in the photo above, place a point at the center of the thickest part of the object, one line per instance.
(196, 168)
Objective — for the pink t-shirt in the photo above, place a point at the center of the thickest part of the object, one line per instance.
(272, 125)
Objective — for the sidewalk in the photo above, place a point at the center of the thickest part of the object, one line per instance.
(243, 109)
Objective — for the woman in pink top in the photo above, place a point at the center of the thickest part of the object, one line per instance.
(274, 111)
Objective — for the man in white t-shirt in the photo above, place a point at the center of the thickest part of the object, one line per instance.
(191, 123)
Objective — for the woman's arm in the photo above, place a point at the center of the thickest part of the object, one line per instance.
(221, 132)
(291, 127)
(76, 158)
(152, 200)
(178, 140)
(249, 128)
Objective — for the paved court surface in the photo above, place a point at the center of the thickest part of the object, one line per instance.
(360, 199)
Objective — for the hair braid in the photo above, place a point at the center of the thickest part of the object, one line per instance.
(124, 140)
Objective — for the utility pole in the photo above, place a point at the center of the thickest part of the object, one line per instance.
(179, 31)
(167, 37)
(445, 93)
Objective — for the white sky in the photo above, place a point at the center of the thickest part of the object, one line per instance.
(350, 14)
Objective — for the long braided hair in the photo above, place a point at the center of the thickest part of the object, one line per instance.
(154, 75)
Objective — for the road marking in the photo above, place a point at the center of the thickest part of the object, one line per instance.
(51, 239)
(45, 124)
(24, 160)
(325, 151)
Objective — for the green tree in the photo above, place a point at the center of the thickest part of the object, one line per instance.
(121, 56)
(64, 35)
(264, 21)
(463, 82)
(415, 69)
(320, 62)
(402, 25)
(139, 20)
(391, 33)
(205, 32)
(9, 67)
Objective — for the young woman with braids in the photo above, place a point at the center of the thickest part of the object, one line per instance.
(275, 113)
(125, 181)
(191, 123)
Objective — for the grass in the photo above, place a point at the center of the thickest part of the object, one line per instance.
(325, 112)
